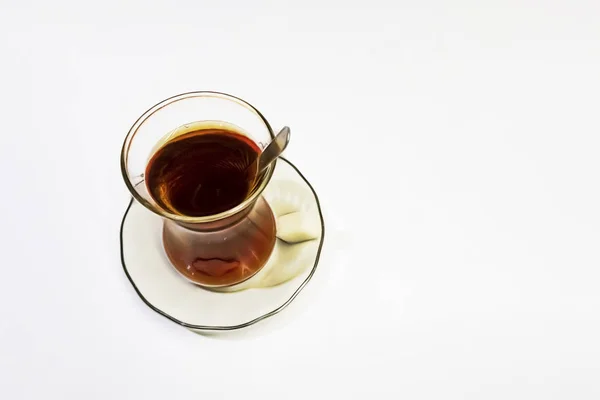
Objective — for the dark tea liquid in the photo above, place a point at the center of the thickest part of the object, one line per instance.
(205, 172)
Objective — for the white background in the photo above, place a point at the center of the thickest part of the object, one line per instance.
(454, 146)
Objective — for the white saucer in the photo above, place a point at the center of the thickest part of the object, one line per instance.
(291, 266)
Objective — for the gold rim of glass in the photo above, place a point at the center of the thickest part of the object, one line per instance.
(264, 180)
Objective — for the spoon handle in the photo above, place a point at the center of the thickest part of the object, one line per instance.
(274, 149)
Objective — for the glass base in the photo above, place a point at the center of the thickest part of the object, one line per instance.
(293, 261)
(223, 257)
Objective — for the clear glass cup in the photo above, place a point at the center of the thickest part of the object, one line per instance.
(215, 250)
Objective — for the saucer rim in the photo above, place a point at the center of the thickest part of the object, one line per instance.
(247, 323)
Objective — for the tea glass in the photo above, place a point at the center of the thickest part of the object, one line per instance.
(217, 250)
